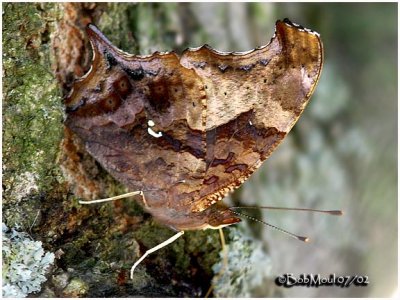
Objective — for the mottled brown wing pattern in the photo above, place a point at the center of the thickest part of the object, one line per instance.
(253, 100)
(186, 130)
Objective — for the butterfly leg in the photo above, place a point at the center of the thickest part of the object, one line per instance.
(144, 200)
(115, 198)
(158, 247)
(224, 250)
(224, 261)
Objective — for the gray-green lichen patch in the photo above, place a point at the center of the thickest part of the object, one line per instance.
(247, 267)
(32, 107)
(24, 263)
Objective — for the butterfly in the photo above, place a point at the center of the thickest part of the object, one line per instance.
(185, 130)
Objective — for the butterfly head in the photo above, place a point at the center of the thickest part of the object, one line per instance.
(219, 216)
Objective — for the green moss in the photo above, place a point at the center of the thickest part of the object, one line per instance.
(205, 245)
(76, 288)
(116, 24)
(32, 110)
(73, 250)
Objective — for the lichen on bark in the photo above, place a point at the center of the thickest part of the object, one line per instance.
(32, 108)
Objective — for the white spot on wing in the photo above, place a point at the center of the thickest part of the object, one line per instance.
(151, 123)
(151, 132)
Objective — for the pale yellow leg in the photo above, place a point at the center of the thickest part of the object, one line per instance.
(224, 250)
(116, 198)
(224, 260)
(158, 247)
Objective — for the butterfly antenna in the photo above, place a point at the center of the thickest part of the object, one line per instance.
(297, 237)
(330, 212)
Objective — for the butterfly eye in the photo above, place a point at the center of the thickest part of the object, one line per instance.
(221, 217)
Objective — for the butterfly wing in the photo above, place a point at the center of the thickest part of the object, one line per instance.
(188, 130)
